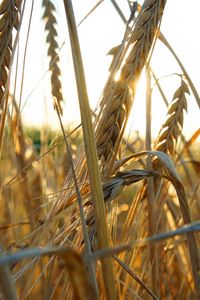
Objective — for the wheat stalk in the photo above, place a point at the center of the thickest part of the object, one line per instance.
(50, 27)
(117, 108)
(91, 153)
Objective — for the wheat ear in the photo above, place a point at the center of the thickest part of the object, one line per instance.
(8, 20)
(50, 27)
(9, 13)
(117, 108)
(172, 127)
(170, 130)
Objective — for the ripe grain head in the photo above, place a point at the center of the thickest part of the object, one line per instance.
(119, 101)
(50, 27)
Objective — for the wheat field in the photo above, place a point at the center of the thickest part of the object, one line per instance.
(88, 211)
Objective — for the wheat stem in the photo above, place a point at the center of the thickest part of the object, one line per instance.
(91, 152)
(150, 190)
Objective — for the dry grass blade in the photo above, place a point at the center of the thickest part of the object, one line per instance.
(50, 27)
(117, 108)
(73, 262)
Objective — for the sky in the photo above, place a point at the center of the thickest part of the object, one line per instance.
(100, 32)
